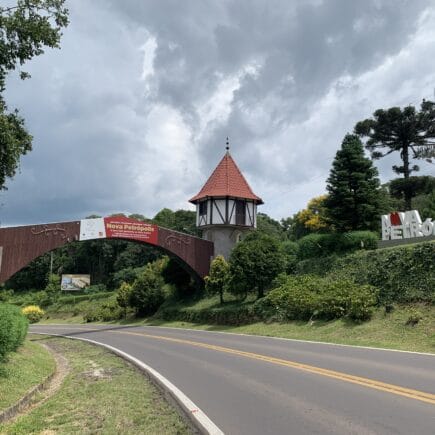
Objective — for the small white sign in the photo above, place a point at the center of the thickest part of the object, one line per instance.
(92, 229)
(406, 225)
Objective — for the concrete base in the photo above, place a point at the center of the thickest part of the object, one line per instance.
(224, 238)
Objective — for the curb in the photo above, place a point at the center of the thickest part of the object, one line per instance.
(200, 422)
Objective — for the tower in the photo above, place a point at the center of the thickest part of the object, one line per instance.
(226, 207)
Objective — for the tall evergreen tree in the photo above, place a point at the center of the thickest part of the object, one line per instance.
(353, 185)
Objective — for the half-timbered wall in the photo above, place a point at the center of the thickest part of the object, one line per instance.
(223, 212)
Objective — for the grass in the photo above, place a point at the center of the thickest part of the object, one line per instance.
(102, 394)
(383, 330)
(26, 368)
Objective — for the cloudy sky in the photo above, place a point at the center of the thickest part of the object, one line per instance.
(131, 115)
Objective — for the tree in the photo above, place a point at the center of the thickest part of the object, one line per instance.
(254, 263)
(313, 217)
(406, 131)
(353, 185)
(216, 281)
(147, 290)
(123, 297)
(25, 28)
(411, 187)
(267, 225)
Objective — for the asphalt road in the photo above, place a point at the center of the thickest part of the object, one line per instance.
(258, 385)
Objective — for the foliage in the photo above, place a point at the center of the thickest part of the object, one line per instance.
(402, 274)
(33, 313)
(269, 226)
(313, 218)
(25, 28)
(217, 280)
(52, 288)
(183, 221)
(13, 329)
(291, 250)
(103, 311)
(147, 290)
(405, 131)
(412, 186)
(353, 185)
(321, 245)
(123, 296)
(175, 274)
(305, 297)
(254, 263)
(226, 314)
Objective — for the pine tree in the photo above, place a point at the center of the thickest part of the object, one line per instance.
(353, 185)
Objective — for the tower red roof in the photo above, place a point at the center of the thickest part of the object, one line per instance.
(226, 180)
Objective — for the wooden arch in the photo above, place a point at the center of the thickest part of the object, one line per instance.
(20, 245)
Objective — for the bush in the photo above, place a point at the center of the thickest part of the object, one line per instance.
(147, 290)
(13, 329)
(33, 313)
(321, 245)
(103, 311)
(305, 297)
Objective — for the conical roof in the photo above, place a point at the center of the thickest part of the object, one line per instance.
(226, 180)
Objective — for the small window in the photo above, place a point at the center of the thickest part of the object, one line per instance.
(203, 208)
(240, 212)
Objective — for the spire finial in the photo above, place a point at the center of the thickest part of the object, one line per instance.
(227, 144)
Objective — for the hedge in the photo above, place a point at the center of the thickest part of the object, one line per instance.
(305, 297)
(13, 329)
(321, 245)
(402, 274)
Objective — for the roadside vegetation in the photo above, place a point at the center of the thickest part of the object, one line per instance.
(24, 369)
(100, 394)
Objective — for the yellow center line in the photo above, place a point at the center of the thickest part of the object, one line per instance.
(366, 382)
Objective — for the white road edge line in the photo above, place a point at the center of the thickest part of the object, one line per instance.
(197, 417)
(72, 325)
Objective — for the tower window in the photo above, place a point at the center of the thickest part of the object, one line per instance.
(203, 208)
(240, 212)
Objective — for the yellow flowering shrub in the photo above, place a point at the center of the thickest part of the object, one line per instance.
(33, 313)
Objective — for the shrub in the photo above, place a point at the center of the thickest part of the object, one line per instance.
(103, 311)
(304, 297)
(13, 329)
(33, 313)
(290, 250)
(147, 291)
(321, 245)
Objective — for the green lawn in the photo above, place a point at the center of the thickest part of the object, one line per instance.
(26, 368)
(102, 394)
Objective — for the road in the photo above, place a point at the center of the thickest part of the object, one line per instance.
(259, 385)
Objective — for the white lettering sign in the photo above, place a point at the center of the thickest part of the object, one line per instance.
(406, 225)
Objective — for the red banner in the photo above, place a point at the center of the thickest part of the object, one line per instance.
(120, 227)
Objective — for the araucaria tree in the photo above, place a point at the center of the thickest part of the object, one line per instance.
(408, 131)
(25, 28)
(353, 185)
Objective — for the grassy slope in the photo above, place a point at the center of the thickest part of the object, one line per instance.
(120, 401)
(384, 330)
(26, 368)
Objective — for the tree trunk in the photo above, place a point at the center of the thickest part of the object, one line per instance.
(221, 297)
(260, 293)
(407, 193)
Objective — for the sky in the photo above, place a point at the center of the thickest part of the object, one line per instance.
(132, 113)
